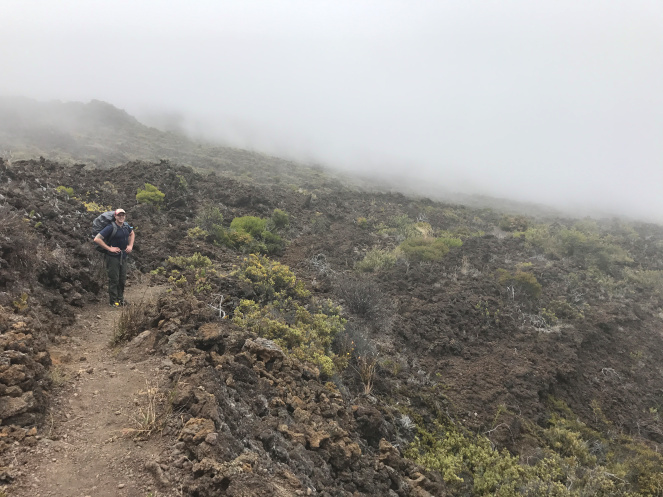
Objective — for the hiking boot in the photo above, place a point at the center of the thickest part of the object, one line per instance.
(115, 304)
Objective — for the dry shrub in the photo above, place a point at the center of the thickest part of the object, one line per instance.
(133, 319)
(151, 415)
(17, 241)
(361, 296)
(359, 353)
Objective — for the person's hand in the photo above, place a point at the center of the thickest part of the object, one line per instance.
(129, 249)
(114, 250)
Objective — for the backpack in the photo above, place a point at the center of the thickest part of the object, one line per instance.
(99, 223)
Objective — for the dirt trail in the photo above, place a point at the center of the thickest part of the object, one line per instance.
(81, 449)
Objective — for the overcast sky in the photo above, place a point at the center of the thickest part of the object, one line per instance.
(557, 101)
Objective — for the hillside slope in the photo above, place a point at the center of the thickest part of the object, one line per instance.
(459, 331)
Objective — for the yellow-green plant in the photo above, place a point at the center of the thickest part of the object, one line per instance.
(66, 190)
(420, 249)
(280, 218)
(362, 222)
(196, 232)
(252, 225)
(197, 260)
(523, 281)
(150, 194)
(467, 463)
(376, 259)
(305, 335)
(95, 207)
(270, 280)
(21, 303)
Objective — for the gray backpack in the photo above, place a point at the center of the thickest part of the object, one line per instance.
(99, 223)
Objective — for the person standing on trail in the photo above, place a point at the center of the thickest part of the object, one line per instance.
(118, 246)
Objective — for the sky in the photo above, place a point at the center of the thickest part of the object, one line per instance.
(551, 101)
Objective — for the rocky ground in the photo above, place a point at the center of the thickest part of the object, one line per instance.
(235, 414)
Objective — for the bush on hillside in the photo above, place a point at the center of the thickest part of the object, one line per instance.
(252, 225)
(66, 190)
(269, 280)
(209, 217)
(521, 281)
(375, 260)
(150, 195)
(427, 249)
(280, 218)
(361, 296)
(306, 335)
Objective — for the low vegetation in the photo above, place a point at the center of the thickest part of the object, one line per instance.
(150, 195)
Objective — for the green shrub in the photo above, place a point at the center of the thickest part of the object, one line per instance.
(270, 280)
(522, 281)
(67, 190)
(273, 243)
(280, 218)
(196, 232)
(197, 260)
(182, 183)
(190, 273)
(651, 280)
(427, 249)
(304, 334)
(467, 464)
(567, 441)
(376, 259)
(252, 225)
(150, 194)
(401, 226)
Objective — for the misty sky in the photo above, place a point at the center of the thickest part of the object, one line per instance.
(552, 101)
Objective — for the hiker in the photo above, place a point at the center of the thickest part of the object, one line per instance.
(118, 246)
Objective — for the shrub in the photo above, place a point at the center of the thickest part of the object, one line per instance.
(427, 249)
(467, 464)
(249, 233)
(522, 281)
(133, 319)
(273, 243)
(252, 225)
(562, 309)
(196, 232)
(362, 222)
(270, 280)
(280, 218)
(95, 207)
(376, 259)
(182, 183)
(361, 296)
(305, 335)
(150, 195)
(191, 273)
(197, 260)
(209, 217)
(66, 190)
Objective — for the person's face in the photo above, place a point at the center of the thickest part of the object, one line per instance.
(119, 218)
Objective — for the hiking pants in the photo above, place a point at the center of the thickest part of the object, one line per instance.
(116, 267)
